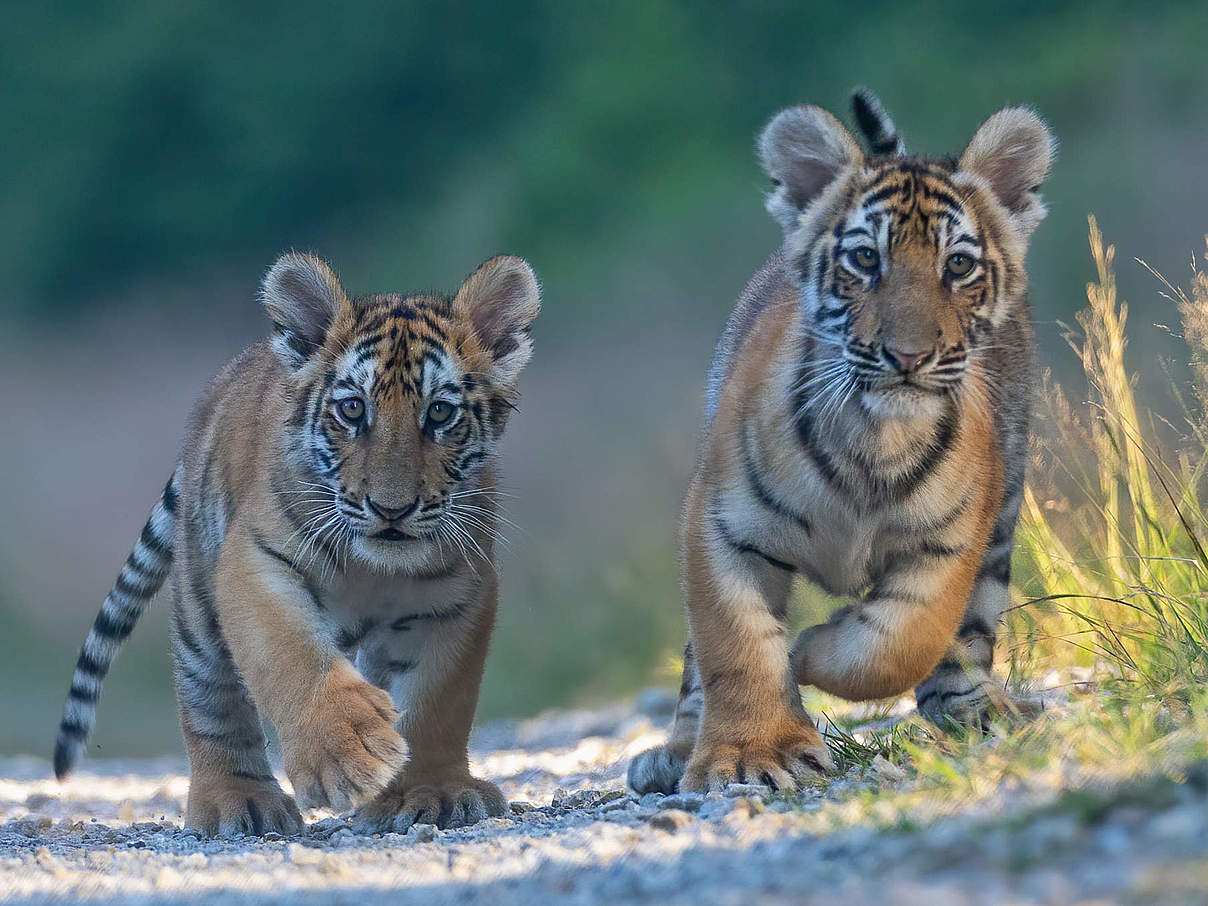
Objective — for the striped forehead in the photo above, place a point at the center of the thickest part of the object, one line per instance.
(401, 347)
(901, 202)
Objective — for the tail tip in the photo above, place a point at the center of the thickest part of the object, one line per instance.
(67, 752)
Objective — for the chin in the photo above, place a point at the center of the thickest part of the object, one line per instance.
(903, 402)
(407, 554)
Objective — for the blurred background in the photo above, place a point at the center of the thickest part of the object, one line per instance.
(158, 155)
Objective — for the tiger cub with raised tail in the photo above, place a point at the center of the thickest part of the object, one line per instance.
(866, 428)
(328, 532)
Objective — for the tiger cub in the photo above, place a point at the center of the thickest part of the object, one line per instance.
(866, 427)
(328, 532)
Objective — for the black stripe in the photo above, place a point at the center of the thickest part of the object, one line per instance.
(72, 730)
(153, 542)
(974, 628)
(169, 495)
(744, 547)
(998, 569)
(83, 694)
(128, 589)
(349, 637)
(87, 664)
(108, 627)
(403, 623)
(251, 775)
(762, 492)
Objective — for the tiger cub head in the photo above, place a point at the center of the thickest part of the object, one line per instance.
(906, 265)
(398, 401)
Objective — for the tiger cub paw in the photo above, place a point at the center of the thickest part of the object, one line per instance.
(961, 697)
(233, 805)
(345, 749)
(657, 770)
(451, 801)
(784, 759)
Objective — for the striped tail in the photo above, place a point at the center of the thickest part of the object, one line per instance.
(878, 129)
(141, 577)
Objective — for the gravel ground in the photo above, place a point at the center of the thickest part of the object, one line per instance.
(112, 834)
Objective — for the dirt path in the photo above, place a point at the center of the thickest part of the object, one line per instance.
(112, 835)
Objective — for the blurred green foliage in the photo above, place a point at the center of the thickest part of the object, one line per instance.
(150, 138)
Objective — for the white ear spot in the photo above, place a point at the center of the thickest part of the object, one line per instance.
(1012, 152)
(803, 150)
(500, 300)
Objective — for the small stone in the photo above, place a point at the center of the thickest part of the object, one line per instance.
(520, 807)
(611, 796)
(617, 805)
(422, 833)
(650, 800)
(35, 801)
(688, 802)
(559, 796)
(303, 855)
(713, 809)
(747, 807)
(671, 820)
(887, 770)
(343, 837)
(272, 837)
(738, 790)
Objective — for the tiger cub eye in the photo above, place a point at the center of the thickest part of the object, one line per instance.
(440, 412)
(866, 258)
(352, 409)
(958, 265)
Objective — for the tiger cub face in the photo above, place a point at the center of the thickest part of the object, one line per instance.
(906, 265)
(398, 402)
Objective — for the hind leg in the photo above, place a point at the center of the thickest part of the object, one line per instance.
(659, 769)
(961, 689)
(232, 789)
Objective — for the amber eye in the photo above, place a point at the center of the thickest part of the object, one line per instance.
(440, 412)
(352, 409)
(958, 265)
(865, 258)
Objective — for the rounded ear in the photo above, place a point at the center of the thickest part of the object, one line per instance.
(1012, 151)
(803, 149)
(302, 296)
(500, 300)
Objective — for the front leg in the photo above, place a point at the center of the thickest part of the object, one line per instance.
(336, 730)
(893, 638)
(753, 727)
(436, 786)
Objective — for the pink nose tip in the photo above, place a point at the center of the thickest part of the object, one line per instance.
(906, 362)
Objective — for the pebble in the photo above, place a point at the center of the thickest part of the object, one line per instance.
(422, 833)
(671, 820)
(687, 802)
(736, 790)
(650, 800)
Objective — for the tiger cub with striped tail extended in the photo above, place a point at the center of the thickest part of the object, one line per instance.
(867, 428)
(329, 532)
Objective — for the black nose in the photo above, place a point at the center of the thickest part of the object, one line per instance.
(905, 362)
(391, 513)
